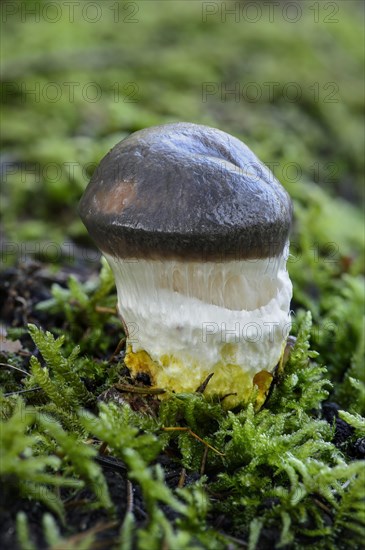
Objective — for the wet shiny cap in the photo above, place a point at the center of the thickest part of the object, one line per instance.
(185, 191)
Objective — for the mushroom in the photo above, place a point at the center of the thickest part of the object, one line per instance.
(195, 229)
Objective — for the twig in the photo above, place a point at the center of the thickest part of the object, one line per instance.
(138, 389)
(242, 543)
(103, 448)
(182, 479)
(204, 461)
(323, 506)
(117, 349)
(71, 541)
(111, 463)
(130, 498)
(102, 309)
(227, 395)
(21, 391)
(203, 386)
(7, 365)
(24, 353)
(190, 432)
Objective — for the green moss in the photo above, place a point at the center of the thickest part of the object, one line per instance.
(285, 451)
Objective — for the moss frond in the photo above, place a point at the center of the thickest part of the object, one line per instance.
(32, 473)
(62, 368)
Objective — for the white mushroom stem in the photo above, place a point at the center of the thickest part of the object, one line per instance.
(221, 317)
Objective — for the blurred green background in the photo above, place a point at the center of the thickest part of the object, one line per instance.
(285, 77)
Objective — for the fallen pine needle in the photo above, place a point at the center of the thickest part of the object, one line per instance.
(190, 432)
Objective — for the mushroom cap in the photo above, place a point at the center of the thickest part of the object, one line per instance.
(185, 191)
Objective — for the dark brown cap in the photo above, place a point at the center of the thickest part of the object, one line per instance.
(185, 191)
